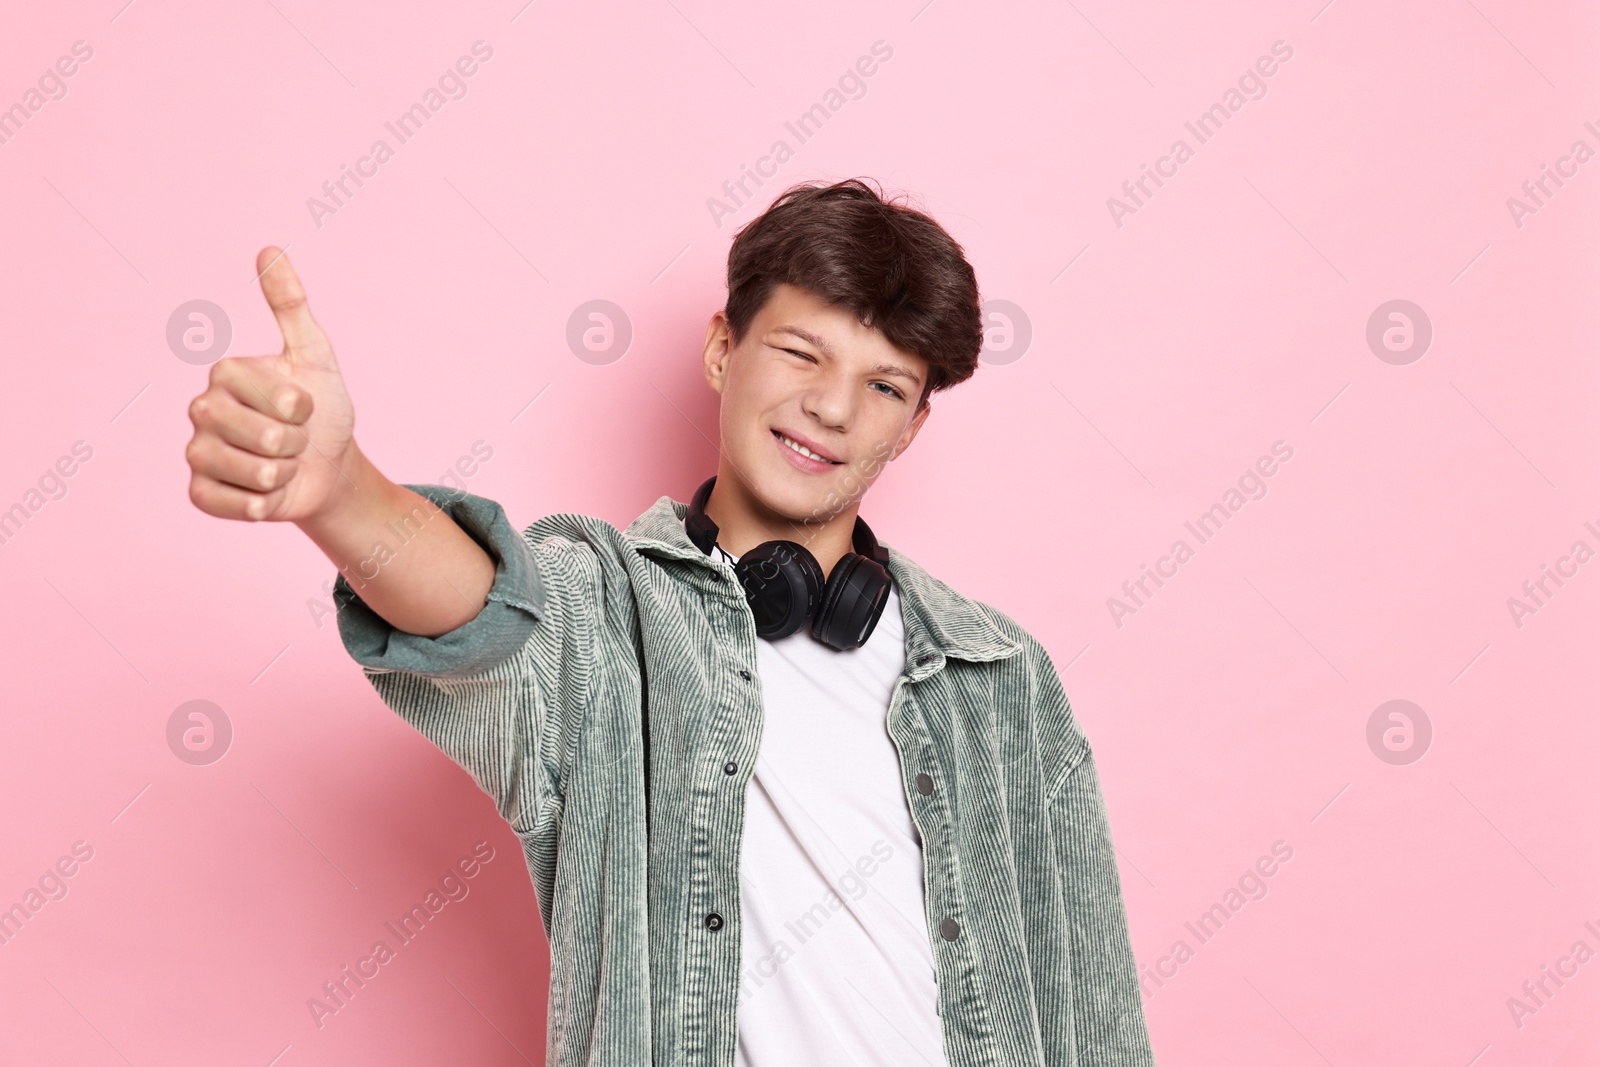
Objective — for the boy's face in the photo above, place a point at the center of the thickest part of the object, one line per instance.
(813, 373)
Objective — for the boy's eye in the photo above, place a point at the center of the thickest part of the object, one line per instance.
(892, 390)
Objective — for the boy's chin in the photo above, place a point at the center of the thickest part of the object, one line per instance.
(797, 497)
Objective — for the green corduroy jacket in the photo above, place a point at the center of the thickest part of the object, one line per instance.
(539, 698)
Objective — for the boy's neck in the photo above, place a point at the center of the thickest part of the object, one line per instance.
(743, 522)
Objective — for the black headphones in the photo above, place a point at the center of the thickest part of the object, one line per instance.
(783, 582)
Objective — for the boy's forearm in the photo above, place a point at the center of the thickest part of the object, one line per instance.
(404, 556)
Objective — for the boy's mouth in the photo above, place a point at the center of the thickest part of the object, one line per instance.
(807, 451)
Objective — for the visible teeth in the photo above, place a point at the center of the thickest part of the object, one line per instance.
(802, 449)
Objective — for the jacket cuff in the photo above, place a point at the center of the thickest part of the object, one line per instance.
(515, 603)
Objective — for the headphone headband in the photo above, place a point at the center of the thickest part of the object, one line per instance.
(703, 532)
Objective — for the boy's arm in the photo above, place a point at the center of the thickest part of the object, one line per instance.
(1108, 1021)
(1108, 1024)
(503, 620)
(504, 694)
(402, 551)
(467, 631)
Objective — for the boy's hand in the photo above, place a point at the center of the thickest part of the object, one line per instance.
(272, 434)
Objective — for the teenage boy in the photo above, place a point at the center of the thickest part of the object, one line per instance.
(785, 797)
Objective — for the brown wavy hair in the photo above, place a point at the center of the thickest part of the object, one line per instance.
(893, 266)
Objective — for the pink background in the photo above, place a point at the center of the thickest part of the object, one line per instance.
(1229, 312)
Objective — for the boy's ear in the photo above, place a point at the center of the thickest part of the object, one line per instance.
(718, 349)
(910, 433)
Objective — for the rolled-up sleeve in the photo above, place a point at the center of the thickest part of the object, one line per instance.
(504, 693)
(515, 603)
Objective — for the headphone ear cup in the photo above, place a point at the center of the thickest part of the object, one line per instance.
(782, 584)
(852, 602)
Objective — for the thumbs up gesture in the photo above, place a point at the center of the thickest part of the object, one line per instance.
(273, 434)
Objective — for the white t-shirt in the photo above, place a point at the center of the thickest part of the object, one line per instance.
(837, 966)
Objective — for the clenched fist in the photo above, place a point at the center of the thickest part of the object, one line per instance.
(272, 434)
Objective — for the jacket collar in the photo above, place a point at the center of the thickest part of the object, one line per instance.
(940, 623)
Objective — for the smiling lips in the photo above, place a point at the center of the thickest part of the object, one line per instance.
(804, 456)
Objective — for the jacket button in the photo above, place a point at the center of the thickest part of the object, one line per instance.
(949, 929)
(923, 661)
(924, 784)
(714, 921)
(745, 675)
(730, 768)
